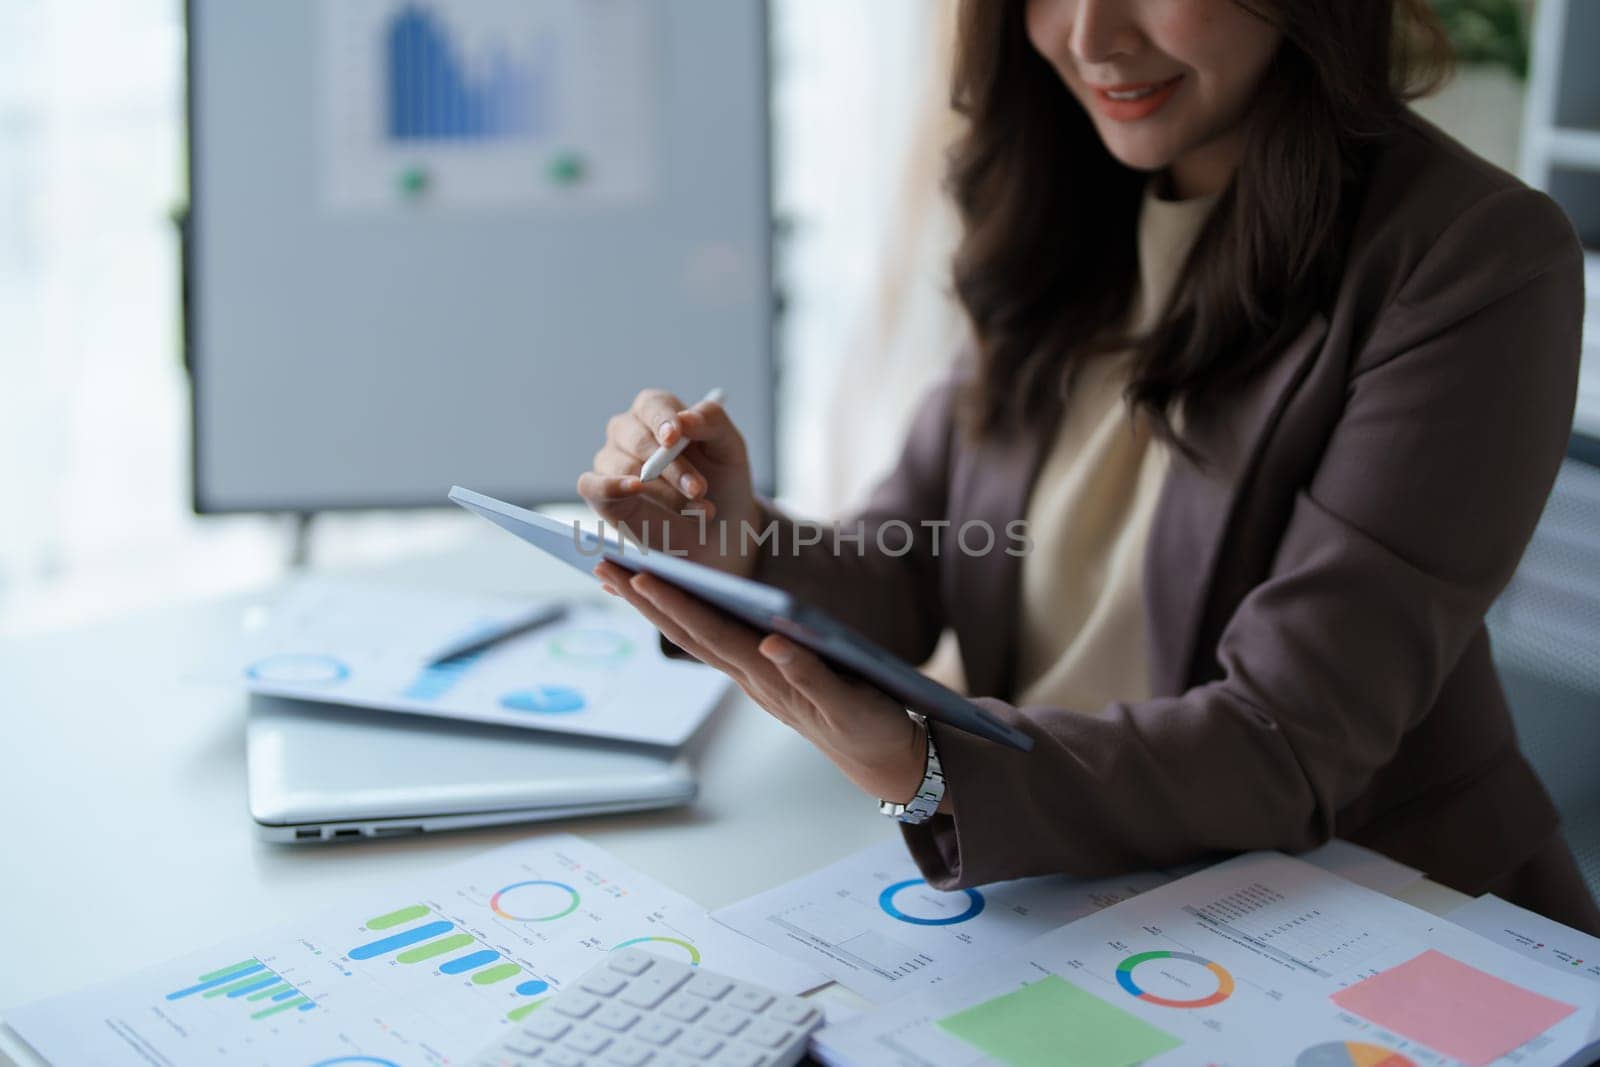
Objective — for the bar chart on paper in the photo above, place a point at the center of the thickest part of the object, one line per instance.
(249, 980)
(461, 103)
(423, 974)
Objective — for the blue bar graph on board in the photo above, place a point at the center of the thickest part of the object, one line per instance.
(286, 994)
(432, 96)
(470, 962)
(233, 974)
(395, 942)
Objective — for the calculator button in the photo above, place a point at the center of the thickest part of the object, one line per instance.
(709, 986)
(631, 961)
(519, 1045)
(651, 990)
(560, 1057)
(657, 1032)
(628, 1054)
(587, 1040)
(547, 1027)
(727, 1021)
(602, 983)
(684, 1009)
(698, 1045)
(739, 1057)
(794, 1012)
(750, 999)
(576, 1005)
(768, 1033)
(522, 1045)
(615, 1017)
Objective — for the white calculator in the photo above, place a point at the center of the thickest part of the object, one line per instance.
(638, 1010)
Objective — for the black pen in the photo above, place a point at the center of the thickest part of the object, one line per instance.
(554, 613)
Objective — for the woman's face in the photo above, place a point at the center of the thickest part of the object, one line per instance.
(1166, 82)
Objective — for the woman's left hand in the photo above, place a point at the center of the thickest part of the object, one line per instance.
(870, 737)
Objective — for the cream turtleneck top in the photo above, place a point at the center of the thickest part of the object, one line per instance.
(1083, 640)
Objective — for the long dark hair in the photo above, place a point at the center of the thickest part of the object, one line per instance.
(1047, 264)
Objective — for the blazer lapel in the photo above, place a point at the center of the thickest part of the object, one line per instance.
(990, 483)
(1196, 506)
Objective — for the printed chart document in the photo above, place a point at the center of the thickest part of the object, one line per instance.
(871, 923)
(1362, 866)
(424, 974)
(599, 671)
(1262, 959)
(1532, 935)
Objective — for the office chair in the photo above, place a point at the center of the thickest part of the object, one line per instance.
(1545, 629)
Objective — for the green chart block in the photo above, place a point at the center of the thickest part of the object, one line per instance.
(232, 969)
(434, 948)
(518, 1014)
(1053, 1022)
(229, 990)
(285, 1006)
(395, 918)
(270, 991)
(496, 974)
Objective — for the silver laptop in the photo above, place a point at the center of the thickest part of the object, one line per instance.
(319, 772)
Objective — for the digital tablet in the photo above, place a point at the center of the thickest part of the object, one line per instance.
(761, 606)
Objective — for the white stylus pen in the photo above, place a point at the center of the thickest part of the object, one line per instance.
(667, 453)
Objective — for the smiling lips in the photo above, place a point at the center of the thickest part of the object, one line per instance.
(1134, 100)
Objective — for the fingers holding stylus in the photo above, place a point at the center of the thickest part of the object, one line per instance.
(652, 424)
(614, 490)
(657, 411)
(708, 425)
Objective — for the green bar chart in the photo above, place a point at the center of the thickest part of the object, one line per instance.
(247, 981)
(417, 934)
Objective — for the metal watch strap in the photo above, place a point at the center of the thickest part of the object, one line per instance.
(925, 804)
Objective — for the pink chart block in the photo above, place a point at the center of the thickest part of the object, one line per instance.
(1459, 1010)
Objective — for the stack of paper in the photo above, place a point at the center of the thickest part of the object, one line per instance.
(599, 671)
(1263, 959)
(426, 973)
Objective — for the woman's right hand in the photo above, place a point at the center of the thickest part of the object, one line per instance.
(703, 492)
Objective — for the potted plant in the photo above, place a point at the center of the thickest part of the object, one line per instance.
(1481, 106)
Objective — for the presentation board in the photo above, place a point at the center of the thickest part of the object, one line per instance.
(441, 242)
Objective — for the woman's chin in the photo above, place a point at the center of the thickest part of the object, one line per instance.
(1138, 150)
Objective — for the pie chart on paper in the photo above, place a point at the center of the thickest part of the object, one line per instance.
(548, 699)
(1351, 1054)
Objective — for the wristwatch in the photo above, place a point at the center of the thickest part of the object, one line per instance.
(929, 793)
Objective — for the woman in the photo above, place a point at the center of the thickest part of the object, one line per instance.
(1277, 375)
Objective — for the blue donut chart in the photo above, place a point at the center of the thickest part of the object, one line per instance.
(545, 700)
(886, 902)
(298, 668)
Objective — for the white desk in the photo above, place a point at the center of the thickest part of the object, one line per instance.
(127, 839)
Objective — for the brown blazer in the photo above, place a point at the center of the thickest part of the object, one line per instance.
(1315, 597)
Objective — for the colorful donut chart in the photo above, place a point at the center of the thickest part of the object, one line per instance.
(694, 953)
(1224, 979)
(496, 905)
